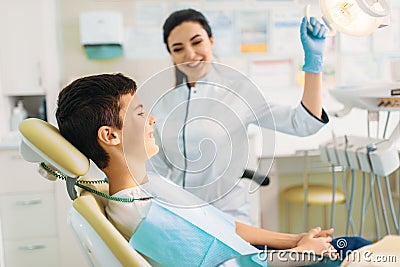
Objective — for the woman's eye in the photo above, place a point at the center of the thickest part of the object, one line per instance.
(141, 114)
(177, 49)
(197, 42)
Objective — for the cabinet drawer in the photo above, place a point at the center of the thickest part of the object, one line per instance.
(32, 252)
(28, 216)
(18, 175)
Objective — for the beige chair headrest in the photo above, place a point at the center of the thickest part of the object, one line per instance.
(43, 141)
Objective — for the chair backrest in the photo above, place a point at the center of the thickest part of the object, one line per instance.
(101, 241)
(88, 214)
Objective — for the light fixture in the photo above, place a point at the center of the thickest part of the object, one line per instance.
(353, 17)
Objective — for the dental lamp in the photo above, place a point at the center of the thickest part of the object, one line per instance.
(352, 17)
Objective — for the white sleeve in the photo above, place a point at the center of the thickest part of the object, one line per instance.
(295, 121)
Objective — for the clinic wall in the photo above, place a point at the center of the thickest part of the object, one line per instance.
(345, 62)
(76, 63)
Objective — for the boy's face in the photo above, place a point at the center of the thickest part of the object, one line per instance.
(138, 140)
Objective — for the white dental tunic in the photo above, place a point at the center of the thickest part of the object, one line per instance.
(202, 135)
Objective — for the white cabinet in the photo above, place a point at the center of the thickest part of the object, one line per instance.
(28, 215)
(32, 252)
(21, 48)
(29, 230)
(31, 207)
(29, 234)
(29, 57)
(19, 176)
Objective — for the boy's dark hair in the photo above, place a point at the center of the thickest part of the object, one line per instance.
(87, 104)
(176, 18)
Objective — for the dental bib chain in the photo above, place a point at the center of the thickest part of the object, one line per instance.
(81, 184)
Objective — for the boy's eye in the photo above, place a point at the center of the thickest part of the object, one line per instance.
(141, 114)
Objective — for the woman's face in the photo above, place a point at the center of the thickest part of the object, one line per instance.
(138, 129)
(191, 49)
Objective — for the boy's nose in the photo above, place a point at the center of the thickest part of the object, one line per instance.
(152, 119)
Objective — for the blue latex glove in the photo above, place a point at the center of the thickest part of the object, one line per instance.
(312, 37)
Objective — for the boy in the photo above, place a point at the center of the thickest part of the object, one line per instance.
(101, 116)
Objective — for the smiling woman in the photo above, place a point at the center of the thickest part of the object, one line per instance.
(188, 38)
(191, 50)
(203, 120)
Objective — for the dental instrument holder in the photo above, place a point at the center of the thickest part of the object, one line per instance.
(379, 156)
(356, 144)
(323, 151)
(341, 151)
(331, 150)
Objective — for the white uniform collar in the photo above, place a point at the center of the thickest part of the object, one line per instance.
(211, 76)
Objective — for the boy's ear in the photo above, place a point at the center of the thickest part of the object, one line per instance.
(109, 135)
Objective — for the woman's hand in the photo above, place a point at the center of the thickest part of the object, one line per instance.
(312, 35)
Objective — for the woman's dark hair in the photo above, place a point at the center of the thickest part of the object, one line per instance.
(184, 15)
(177, 18)
(87, 104)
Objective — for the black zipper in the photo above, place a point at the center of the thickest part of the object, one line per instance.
(184, 138)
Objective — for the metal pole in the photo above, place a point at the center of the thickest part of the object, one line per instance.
(363, 201)
(383, 206)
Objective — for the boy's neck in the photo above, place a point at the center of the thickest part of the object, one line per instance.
(122, 177)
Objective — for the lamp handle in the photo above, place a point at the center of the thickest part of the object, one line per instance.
(330, 33)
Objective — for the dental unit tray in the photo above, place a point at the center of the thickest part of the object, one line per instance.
(371, 96)
(373, 155)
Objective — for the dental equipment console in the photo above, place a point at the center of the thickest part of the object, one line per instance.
(368, 154)
(377, 156)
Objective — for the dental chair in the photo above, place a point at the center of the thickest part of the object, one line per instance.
(101, 242)
(98, 238)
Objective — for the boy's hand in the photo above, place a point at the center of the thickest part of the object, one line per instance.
(325, 233)
(311, 241)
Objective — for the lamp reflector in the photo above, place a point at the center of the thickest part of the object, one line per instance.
(348, 17)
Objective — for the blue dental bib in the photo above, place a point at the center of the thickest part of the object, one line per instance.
(171, 237)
